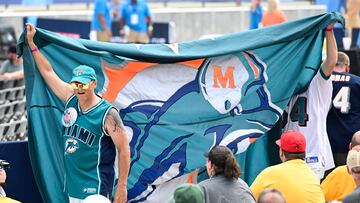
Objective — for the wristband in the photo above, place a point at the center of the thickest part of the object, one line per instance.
(34, 50)
(328, 30)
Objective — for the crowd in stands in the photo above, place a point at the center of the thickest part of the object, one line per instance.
(13, 122)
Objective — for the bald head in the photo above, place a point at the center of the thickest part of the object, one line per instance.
(355, 140)
(271, 196)
(343, 62)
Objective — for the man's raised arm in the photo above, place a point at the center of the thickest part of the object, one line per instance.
(61, 89)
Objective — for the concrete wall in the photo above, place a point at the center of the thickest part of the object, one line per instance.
(190, 23)
(194, 23)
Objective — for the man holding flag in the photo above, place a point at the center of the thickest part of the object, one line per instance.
(227, 96)
(93, 129)
(307, 111)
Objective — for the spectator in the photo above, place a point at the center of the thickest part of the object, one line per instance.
(273, 15)
(224, 184)
(352, 14)
(271, 196)
(89, 123)
(188, 193)
(3, 197)
(116, 10)
(339, 182)
(101, 21)
(343, 119)
(353, 165)
(12, 67)
(256, 13)
(117, 34)
(308, 110)
(136, 15)
(293, 178)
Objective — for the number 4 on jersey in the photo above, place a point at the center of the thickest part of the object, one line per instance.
(298, 112)
(341, 100)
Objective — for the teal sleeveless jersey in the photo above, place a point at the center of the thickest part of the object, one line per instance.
(89, 151)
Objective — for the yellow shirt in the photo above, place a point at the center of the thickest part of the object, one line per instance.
(294, 179)
(338, 184)
(8, 200)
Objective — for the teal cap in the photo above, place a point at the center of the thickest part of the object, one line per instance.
(188, 193)
(83, 74)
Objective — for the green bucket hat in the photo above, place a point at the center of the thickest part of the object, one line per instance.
(188, 193)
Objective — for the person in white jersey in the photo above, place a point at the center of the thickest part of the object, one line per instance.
(307, 111)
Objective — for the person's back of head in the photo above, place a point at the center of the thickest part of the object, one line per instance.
(11, 53)
(272, 5)
(224, 162)
(187, 193)
(293, 145)
(12, 49)
(271, 196)
(355, 140)
(343, 62)
(353, 163)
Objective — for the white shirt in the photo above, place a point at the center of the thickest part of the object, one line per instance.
(2, 192)
(311, 122)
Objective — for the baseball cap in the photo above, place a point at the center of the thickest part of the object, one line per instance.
(292, 141)
(353, 161)
(187, 193)
(83, 74)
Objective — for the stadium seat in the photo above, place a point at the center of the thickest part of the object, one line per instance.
(19, 109)
(2, 113)
(13, 131)
(3, 94)
(9, 111)
(7, 129)
(20, 94)
(19, 83)
(21, 129)
(3, 128)
(14, 94)
(11, 94)
(6, 84)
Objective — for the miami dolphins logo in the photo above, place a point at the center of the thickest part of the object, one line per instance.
(71, 146)
(69, 117)
(79, 72)
(233, 107)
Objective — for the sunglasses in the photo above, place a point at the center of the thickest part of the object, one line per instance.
(80, 85)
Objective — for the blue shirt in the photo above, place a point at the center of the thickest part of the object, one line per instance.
(135, 15)
(116, 8)
(343, 119)
(101, 7)
(255, 17)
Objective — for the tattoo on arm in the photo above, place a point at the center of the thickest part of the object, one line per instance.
(114, 121)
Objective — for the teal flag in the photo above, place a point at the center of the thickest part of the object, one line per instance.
(176, 100)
